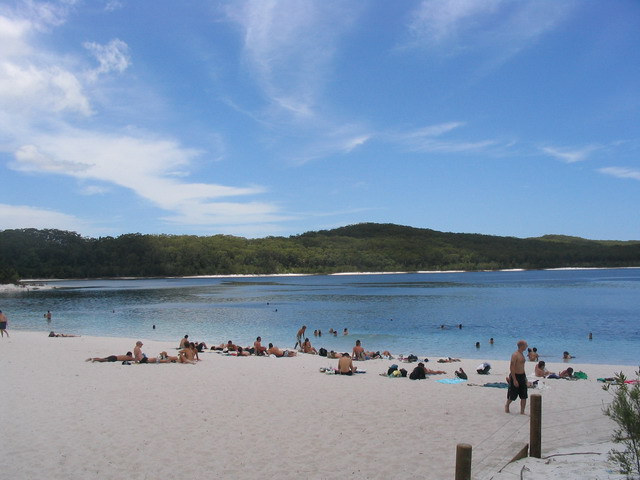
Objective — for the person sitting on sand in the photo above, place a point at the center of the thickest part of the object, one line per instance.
(358, 351)
(532, 354)
(53, 334)
(187, 355)
(138, 355)
(184, 341)
(113, 358)
(279, 353)
(418, 373)
(260, 350)
(345, 365)
(541, 370)
(307, 348)
(568, 373)
(460, 373)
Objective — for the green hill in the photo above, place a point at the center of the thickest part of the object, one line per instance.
(365, 247)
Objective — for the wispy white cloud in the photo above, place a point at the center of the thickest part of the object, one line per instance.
(621, 172)
(24, 216)
(93, 190)
(330, 140)
(112, 57)
(144, 165)
(437, 21)
(112, 5)
(571, 155)
(427, 139)
(501, 28)
(288, 47)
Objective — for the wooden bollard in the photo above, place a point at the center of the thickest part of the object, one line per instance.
(463, 461)
(535, 431)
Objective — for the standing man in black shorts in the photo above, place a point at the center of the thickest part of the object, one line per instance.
(517, 378)
(3, 324)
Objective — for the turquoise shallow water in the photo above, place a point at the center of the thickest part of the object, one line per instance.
(552, 310)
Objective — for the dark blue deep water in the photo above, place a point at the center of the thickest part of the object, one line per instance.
(552, 310)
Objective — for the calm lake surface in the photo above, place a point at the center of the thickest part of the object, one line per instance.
(553, 310)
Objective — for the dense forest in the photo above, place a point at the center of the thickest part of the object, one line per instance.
(366, 247)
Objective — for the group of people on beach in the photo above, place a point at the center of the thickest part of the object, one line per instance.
(188, 354)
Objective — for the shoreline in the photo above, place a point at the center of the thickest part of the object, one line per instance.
(268, 275)
(275, 416)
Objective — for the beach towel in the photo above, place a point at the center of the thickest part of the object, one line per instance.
(450, 380)
(580, 374)
(496, 385)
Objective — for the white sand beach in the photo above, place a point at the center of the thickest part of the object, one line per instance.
(230, 417)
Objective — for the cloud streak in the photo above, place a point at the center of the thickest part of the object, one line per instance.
(570, 155)
(499, 28)
(621, 172)
(288, 47)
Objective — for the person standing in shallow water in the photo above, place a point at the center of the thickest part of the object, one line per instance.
(517, 378)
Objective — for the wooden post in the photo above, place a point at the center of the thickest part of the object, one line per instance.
(535, 432)
(463, 461)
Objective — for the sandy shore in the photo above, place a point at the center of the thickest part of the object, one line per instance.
(229, 417)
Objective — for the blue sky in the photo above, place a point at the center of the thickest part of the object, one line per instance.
(264, 117)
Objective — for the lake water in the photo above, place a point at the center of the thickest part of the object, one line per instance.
(553, 310)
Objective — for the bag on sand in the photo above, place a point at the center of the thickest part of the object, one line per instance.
(322, 352)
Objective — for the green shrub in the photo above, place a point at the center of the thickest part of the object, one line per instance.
(625, 411)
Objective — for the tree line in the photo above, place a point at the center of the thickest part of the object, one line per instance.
(365, 247)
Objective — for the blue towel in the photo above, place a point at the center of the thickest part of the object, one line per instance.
(451, 380)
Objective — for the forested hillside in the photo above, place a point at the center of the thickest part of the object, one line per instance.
(367, 247)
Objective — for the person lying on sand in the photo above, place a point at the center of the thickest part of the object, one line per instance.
(113, 358)
(345, 365)
(568, 373)
(279, 353)
(448, 360)
(541, 370)
(53, 334)
(228, 346)
(166, 358)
